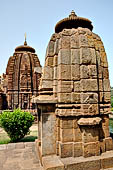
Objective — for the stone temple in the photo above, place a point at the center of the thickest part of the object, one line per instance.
(74, 100)
(22, 81)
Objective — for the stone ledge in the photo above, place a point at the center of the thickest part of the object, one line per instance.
(104, 161)
(89, 121)
(20, 145)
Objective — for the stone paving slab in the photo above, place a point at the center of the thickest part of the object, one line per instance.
(19, 156)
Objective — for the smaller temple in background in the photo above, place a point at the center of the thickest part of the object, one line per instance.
(20, 83)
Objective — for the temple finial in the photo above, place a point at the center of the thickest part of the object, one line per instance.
(25, 43)
(72, 14)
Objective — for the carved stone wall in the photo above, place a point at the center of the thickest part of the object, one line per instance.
(22, 81)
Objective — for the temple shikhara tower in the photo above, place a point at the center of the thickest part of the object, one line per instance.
(74, 100)
(22, 82)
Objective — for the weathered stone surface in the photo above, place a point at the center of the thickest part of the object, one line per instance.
(64, 42)
(64, 56)
(77, 135)
(77, 86)
(89, 71)
(87, 56)
(83, 41)
(106, 84)
(74, 41)
(91, 149)
(50, 49)
(52, 162)
(78, 151)
(75, 56)
(64, 72)
(89, 121)
(66, 123)
(75, 72)
(64, 97)
(90, 135)
(65, 86)
(89, 85)
(75, 97)
(89, 98)
(66, 149)
(64, 137)
(109, 144)
(107, 160)
(48, 73)
(89, 109)
(49, 61)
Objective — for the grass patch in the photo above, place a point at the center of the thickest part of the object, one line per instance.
(4, 139)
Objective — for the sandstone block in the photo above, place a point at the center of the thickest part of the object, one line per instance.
(78, 151)
(74, 41)
(83, 41)
(64, 56)
(75, 72)
(89, 85)
(103, 58)
(58, 122)
(102, 146)
(75, 56)
(66, 149)
(58, 134)
(64, 42)
(90, 122)
(47, 84)
(66, 123)
(66, 135)
(55, 73)
(109, 144)
(64, 97)
(89, 98)
(47, 73)
(77, 135)
(91, 149)
(49, 61)
(56, 47)
(55, 60)
(77, 86)
(98, 58)
(52, 162)
(106, 84)
(87, 56)
(105, 108)
(90, 40)
(75, 124)
(50, 49)
(64, 72)
(89, 109)
(75, 97)
(65, 86)
(105, 73)
(107, 162)
(64, 112)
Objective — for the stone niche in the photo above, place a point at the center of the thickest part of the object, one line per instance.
(74, 100)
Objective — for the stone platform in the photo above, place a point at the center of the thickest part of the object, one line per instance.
(53, 162)
(19, 156)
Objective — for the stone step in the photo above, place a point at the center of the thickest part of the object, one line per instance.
(104, 161)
